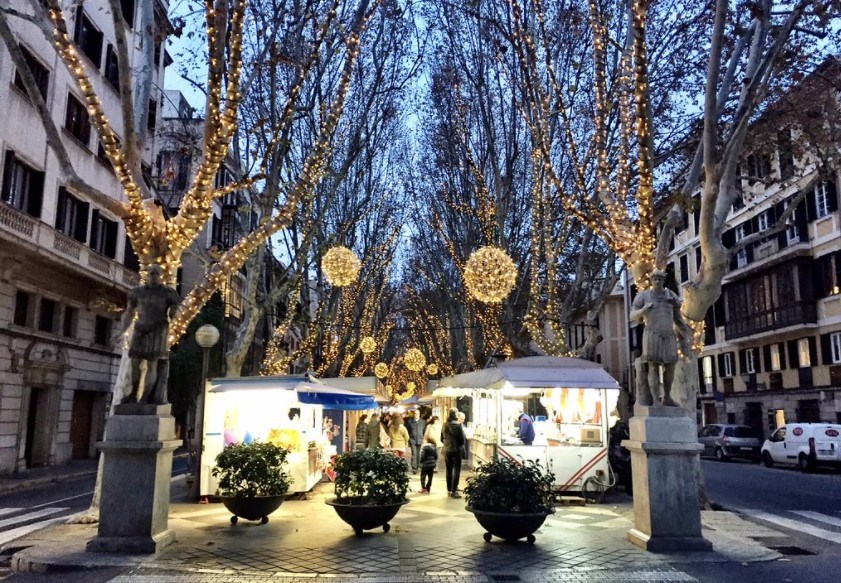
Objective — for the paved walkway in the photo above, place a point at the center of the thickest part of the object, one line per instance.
(432, 539)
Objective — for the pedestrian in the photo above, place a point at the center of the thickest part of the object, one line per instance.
(433, 429)
(417, 430)
(372, 433)
(526, 433)
(454, 440)
(361, 432)
(465, 450)
(428, 461)
(398, 434)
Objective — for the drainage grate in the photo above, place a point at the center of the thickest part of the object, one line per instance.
(504, 577)
(791, 551)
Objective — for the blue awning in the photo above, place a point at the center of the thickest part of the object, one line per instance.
(332, 398)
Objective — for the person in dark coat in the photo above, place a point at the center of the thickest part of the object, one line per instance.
(428, 461)
(417, 428)
(526, 433)
(372, 436)
(454, 440)
(361, 432)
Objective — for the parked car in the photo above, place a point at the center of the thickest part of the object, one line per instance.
(724, 442)
(805, 444)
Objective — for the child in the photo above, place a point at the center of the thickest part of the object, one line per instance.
(428, 460)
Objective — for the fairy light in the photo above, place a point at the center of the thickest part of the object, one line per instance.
(414, 360)
(490, 275)
(432, 369)
(381, 370)
(340, 266)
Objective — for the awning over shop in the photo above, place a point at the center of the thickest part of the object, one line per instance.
(307, 391)
(530, 372)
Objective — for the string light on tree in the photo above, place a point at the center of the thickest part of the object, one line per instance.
(490, 275)
(414, 360)
(410, 386)
(432, 369)
(340, 266)
(381, 370)
(368, 345)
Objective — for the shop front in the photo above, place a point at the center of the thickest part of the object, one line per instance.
(571, 401)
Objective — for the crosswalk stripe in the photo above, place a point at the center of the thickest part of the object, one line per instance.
(30, 516)
(16, 533)
(5, 511)
(819, 517)
(795, 525)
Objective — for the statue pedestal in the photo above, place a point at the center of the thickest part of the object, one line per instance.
(665, 458)
(137, 466)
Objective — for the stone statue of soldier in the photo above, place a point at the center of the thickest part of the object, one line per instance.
(154, 305)
(659, 309)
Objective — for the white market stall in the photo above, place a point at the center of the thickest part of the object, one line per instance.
(284, 410)
(572, 402)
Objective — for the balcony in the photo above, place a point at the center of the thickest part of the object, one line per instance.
(782, 317)
(54, 246)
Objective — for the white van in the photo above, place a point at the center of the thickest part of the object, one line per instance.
(805, 444)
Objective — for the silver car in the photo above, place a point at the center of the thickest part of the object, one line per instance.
(724, 442)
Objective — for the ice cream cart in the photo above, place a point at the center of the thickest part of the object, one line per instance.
(572, 402)
(284, 410)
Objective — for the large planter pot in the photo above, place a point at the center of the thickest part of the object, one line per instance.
(253, 508)
(365, 517)
(509, 525)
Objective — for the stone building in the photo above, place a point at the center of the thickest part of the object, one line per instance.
(65, 262)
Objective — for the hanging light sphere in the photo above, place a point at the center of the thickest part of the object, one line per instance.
(340, 266)
(432, 369)
(368, 345)
(414, 359)
(490, 275)
(381, 370)
(389, 389)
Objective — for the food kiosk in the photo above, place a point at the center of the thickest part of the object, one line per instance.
(284, 410)
(572, 402)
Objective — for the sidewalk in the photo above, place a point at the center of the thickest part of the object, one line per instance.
(432, 538)
(38, 476)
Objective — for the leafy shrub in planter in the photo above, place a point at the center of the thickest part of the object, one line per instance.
(370, 477)
(253, 469)
(505, 486)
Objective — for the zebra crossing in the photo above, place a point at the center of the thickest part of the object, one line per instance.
(17, 522)
(826, 526)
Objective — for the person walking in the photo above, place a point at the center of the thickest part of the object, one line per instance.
(417, 430)
(526, 433)
(433, 430)
(398, 434)
(361, 432)
(428, 461)
(372, 433)
(454, 440)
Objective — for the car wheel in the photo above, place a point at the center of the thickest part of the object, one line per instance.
(720, 455)
(805, 463)
(767, 459)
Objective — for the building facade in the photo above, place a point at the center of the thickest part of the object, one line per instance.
(65, 262)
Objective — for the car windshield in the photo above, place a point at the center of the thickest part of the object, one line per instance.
(743, 432)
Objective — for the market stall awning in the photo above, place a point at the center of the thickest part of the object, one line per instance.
(333, 398)
(222, 385)
(531, 372)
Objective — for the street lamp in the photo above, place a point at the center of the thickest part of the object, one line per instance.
(206, 336)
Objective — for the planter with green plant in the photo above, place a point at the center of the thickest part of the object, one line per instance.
(252, 480)
(370, 487)
(510, 499)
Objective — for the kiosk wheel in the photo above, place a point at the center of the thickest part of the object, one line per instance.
(487, 536)
(357, 531)
(264, 520)
(234, 519)
(386, 527)
(530, 539)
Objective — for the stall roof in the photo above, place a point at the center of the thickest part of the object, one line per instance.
(532, 372)
(309, 391)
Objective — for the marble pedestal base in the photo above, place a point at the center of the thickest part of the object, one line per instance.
(665, 463)
(137, 465)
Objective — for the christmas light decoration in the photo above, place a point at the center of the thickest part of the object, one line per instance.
(490, 275)
(414, 360)
(368, 345)
(340, 266)
(432, 369)
(410, 386)
(381, 370)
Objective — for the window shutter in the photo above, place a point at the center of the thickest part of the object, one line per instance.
(766, 353)
(80, 229)
(61, 210)
(813, 351)
(831, 196)
(702, 387)
(811, 209)
(757, 358)
(111, 239)
(792, 354)
(77, 26)
(826, 349)
(8, 168)
(728, 238)
(718, 312)
(36, 194)
(743, 361)
(721, 364)
(782, 348)
(94, 229)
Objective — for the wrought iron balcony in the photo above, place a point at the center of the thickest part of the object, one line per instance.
(781, 317)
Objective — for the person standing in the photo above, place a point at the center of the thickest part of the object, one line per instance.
(454, 440)
(526, 433)
(417, 430)
(372, 433)
(398, 434)
(361, 432)
(428, 461)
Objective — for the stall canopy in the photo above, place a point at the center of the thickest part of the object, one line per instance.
(530, 372)
(310, 393)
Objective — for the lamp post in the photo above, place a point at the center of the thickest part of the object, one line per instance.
(206, 336)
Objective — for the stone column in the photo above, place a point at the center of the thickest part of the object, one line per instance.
(665, 458)
(137, 466)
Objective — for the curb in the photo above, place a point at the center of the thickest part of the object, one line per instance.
(15, 485)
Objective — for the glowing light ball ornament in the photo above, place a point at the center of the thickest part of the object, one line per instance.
(368, 345)
(381, 370)
(414, 359)
(340, 266)
(432, 369)
(490, 275)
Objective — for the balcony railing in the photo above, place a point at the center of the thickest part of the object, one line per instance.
(21, 226)
(782, 317)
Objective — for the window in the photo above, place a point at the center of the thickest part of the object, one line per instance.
(821, 200)
(759, 166)
(88, 38)
(741, 232)
(835, 342)
(728, 364)
(738, 202)
(128, 11)
(708, 371)
(803, 353)
(101, 330)
(46, 315)
(786, 156)
(158, 51)
(72, 216)
(68, 323)
(741, 257)
(762, 221)
(130, 259)
(23, 186)
(779, 435)
(775, 357)
(153, 115)
(112, 68)
(39, 71)
(103, 235)
(77, 121)
(684, 268)
(792, 233)
(750, 360)
(829, 281)
(22, 302)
